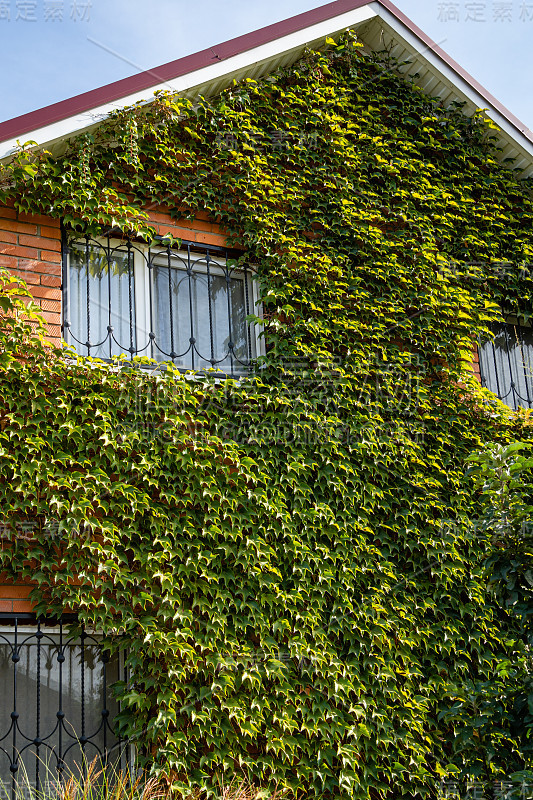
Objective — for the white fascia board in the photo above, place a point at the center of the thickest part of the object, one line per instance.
(455, 81)
(185, 83)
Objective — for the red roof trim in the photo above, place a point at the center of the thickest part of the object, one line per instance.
(173, 69)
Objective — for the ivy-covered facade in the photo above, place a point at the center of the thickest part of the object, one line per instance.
(286, 556)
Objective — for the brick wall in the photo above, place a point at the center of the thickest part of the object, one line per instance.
(30, 246)
(14, 596)
(475, 363)
(201, 230)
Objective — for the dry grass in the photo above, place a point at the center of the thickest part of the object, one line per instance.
(98, 783)
(93, 783)
(106, 784)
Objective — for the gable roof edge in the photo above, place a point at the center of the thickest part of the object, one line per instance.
(59, 120)
(257, 53)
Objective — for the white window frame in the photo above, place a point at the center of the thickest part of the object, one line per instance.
(141, 253)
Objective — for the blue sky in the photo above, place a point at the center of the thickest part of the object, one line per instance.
(53, 49)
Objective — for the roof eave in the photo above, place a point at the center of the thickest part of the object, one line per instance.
(258, 53)
(221, 64)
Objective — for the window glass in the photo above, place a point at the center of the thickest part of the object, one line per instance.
(199, 314)
(58, 690)
(506, 364)
(101, 283)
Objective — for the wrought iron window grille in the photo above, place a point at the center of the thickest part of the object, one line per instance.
(506, 362)
(187, 306)
(56, 712)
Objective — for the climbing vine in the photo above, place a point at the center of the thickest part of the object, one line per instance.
(289, 561)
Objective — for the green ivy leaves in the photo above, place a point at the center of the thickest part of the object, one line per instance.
(289, 561)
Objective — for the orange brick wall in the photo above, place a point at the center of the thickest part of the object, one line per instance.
(475, 363)
(201, 230)
(30, 246)
(14, 597)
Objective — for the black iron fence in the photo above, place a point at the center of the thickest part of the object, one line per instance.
(506, 363)
(56, 711)
(187, 306)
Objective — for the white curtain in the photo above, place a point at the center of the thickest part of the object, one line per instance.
(211, 310)
(506, 364)
(40, 695)
(106, 281)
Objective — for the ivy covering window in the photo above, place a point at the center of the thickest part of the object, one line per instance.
(187, 306)
(56, 709)
(506, 363)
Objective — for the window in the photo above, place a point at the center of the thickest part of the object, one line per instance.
(55, 704)
(186, 306)
(506, 363)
